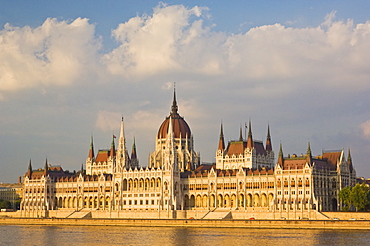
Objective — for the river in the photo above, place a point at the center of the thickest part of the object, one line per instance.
(117, 235)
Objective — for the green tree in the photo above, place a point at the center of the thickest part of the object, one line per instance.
(5, 204)
(345, 196)
(360, 195)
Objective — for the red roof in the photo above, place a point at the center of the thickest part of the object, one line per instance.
(332, 158)
(102, 156)
(238, 147)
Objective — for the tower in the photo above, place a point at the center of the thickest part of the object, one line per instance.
(221, 150)
(181, 139)
(90, 157)
(122, 158)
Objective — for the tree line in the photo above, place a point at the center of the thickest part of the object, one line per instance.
(355, 198)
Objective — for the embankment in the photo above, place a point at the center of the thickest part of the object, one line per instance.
(278, 224)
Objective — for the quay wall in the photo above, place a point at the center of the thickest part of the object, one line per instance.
(282, 224)
(348, 215)
(189, 214)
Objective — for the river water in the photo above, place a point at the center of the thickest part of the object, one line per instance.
(118, 235)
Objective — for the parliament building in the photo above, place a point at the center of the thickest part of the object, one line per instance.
(246, 180)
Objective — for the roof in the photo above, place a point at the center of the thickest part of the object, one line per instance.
(238, 147)
(329, 160)
(260, 149)
(294, 163)
(332, 157)
(53, 172)
(203, 170)
(179, 126)
(102, 156)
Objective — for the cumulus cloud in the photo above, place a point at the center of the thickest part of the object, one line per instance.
(175, 40)
(56, 53)
(151, 44)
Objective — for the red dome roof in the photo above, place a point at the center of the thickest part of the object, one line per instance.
(179, 125)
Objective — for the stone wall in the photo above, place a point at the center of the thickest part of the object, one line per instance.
(281, 224)
(348, 215)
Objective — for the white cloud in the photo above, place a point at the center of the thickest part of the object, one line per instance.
(174, 41)
(55, 53)
(151, 44)
(167, 86)
(365, 127)
(144, 120)
(107, 121)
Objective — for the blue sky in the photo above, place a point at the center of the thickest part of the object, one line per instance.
(71, 69)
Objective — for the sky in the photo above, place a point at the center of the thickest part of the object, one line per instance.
(70, 70)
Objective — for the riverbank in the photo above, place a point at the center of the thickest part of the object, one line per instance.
(276, 224)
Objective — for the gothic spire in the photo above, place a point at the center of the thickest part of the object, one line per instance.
(46, 167)
(133, 152)
(29, 172)
(91, 151)
(281, 157)
(113, 148)
(121, 141)
(240, 134)
(221, 142)
(349, 160)
(122, 130)
(268, 139)
(309, 153)
(250, 138)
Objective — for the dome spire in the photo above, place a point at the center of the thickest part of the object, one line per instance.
(174, 102)
(180, 128)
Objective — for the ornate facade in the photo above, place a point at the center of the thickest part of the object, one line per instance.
(245, 179)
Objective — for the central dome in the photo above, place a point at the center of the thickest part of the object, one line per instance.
(179, 125)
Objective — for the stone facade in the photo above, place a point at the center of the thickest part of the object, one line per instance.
(245, 178)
